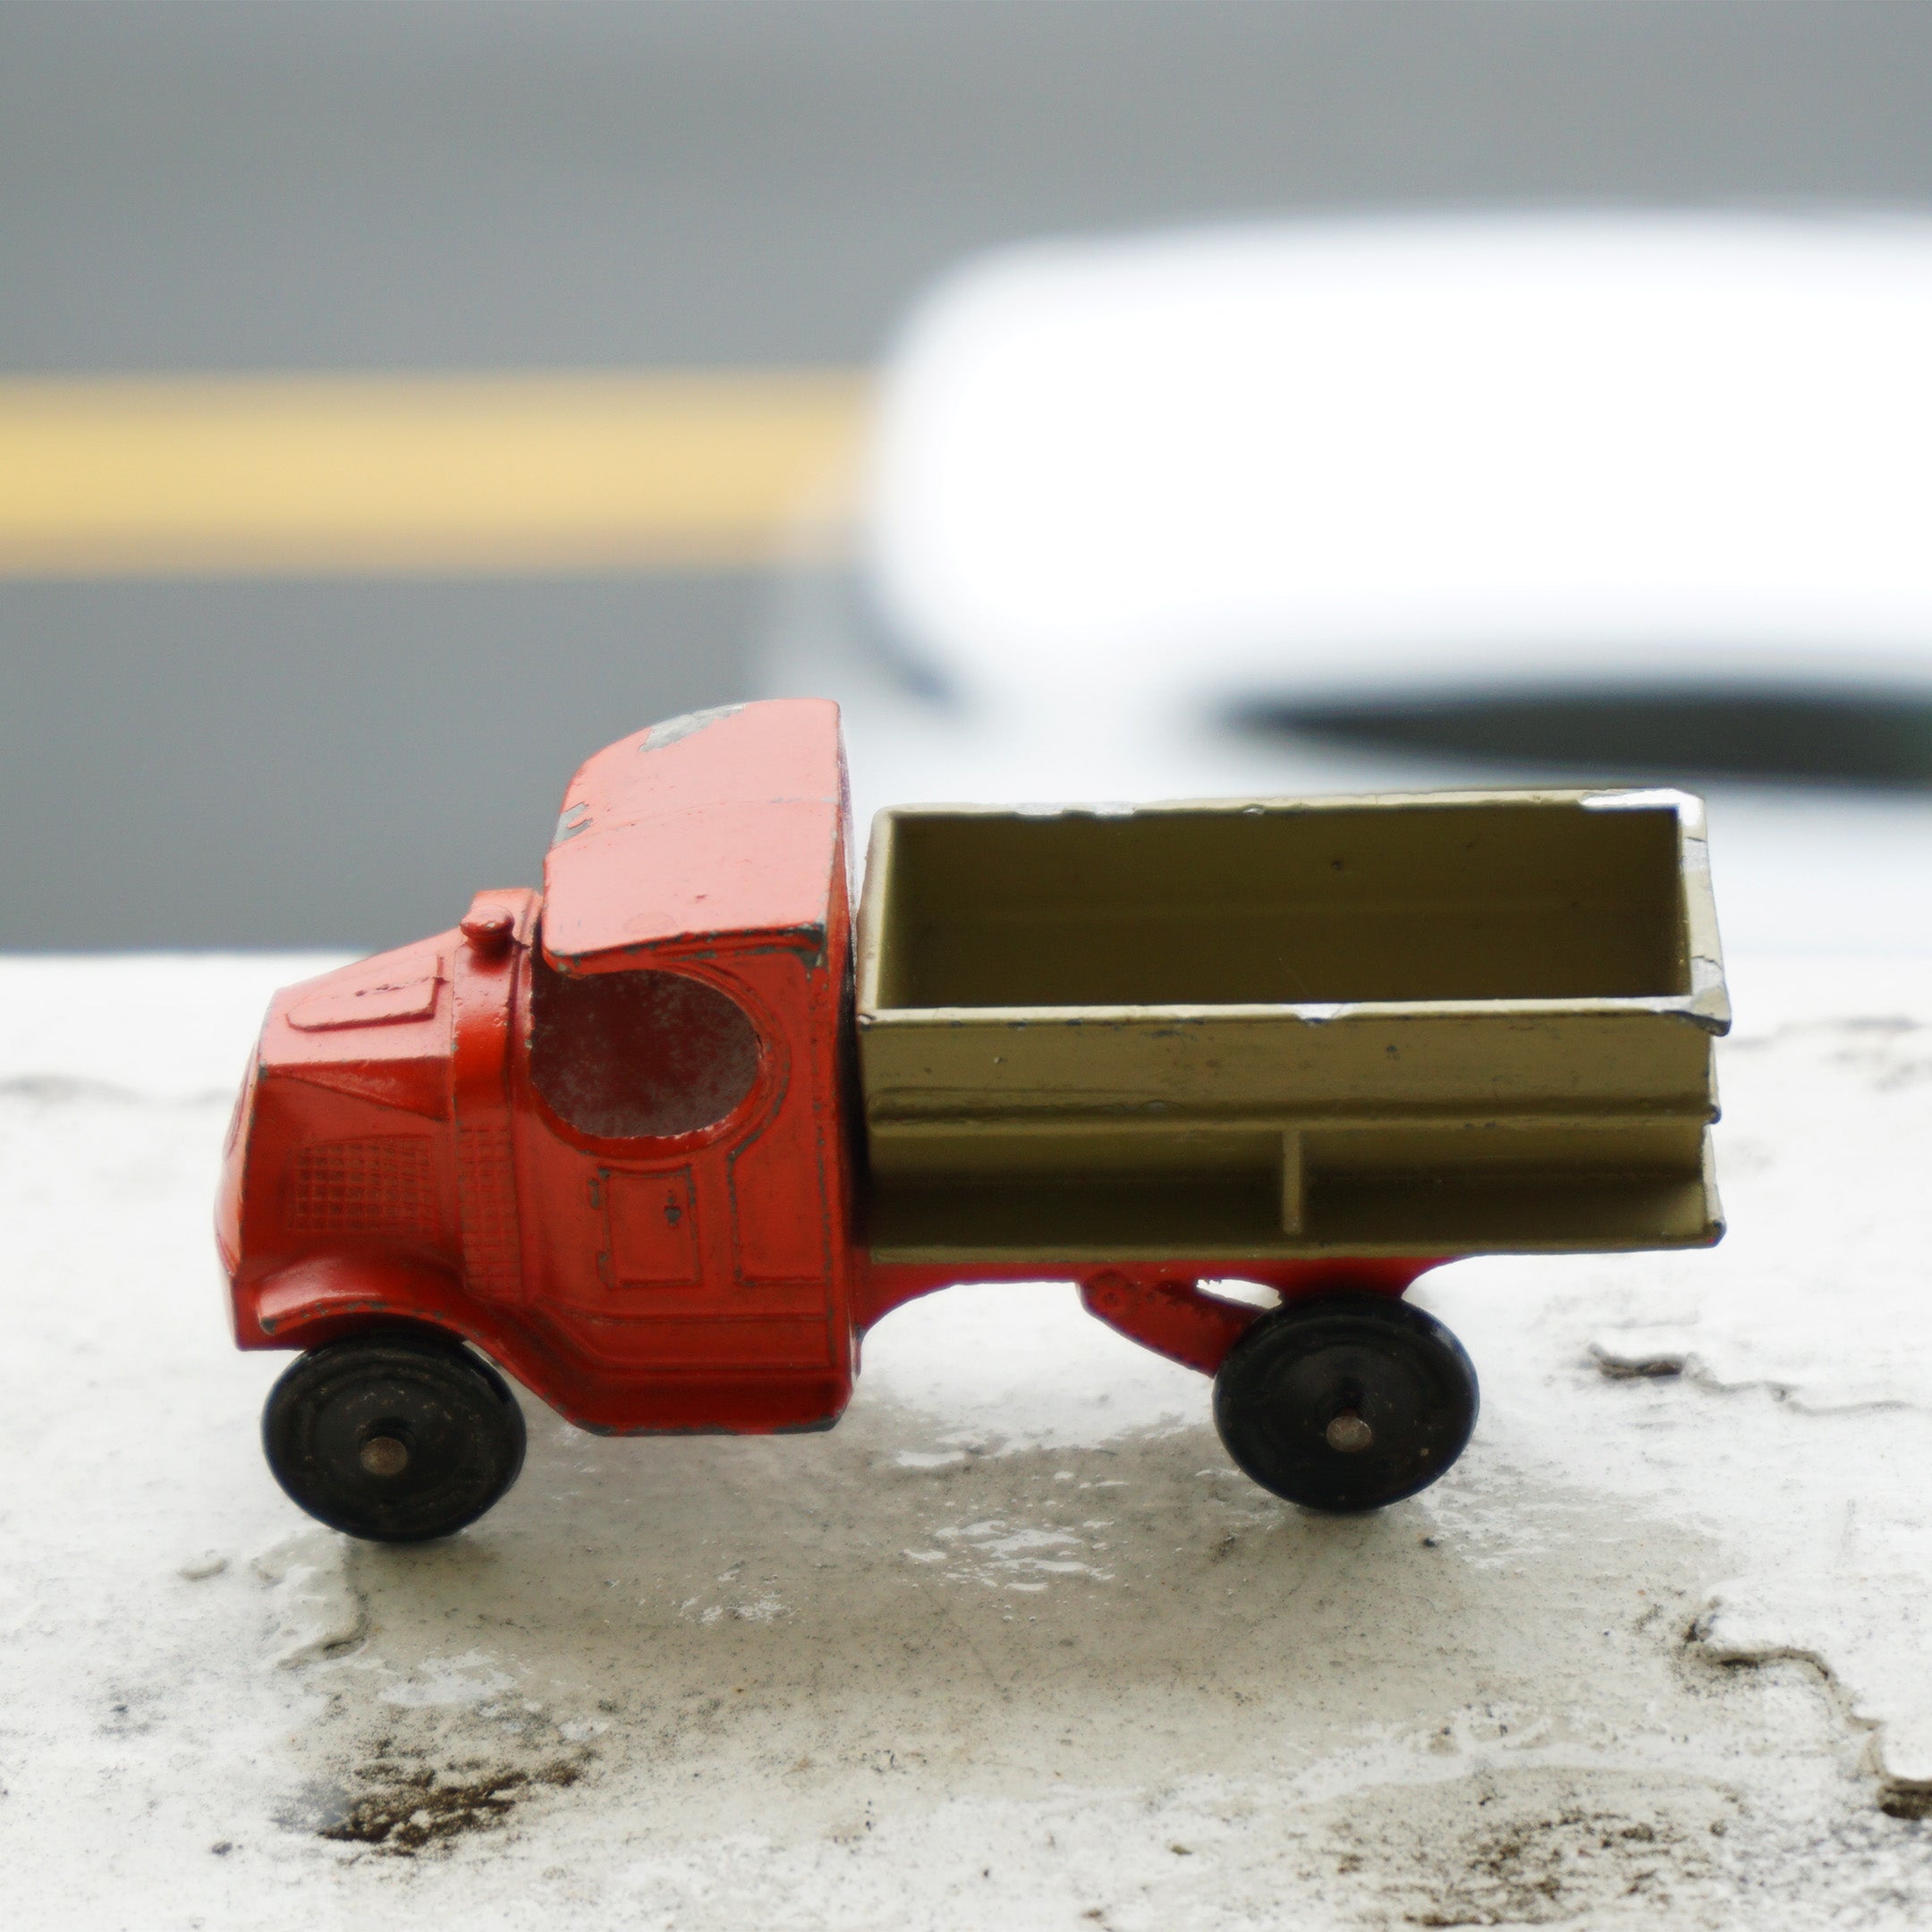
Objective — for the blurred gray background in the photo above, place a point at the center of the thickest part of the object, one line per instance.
(214, 186)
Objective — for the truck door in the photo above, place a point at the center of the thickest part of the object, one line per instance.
(659, 1095)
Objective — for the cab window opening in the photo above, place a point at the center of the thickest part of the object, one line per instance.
(646, 1054)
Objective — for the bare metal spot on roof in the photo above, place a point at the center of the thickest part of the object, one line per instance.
(685, 726)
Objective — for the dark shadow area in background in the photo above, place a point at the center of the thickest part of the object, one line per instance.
(318, 763)
(1878, 739)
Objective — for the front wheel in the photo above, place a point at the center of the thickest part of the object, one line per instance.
(1345, 1401)
(396, 1437)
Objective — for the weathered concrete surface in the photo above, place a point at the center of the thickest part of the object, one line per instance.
(1013, 1646)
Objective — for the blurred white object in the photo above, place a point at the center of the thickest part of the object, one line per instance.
(1124, 495)
(1442, 453)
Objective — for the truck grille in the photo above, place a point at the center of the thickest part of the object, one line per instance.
(382, 1186)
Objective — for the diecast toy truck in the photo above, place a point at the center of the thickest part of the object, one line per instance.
(665, 1140)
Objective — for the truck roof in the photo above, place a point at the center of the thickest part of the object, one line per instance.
(713, 829)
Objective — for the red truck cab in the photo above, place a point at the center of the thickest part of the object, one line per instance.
(597, 1133)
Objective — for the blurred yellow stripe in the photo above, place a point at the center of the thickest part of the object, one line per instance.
(339, 474)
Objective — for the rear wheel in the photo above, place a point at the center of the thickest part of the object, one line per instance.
(396, 1437)
(1345, 1401)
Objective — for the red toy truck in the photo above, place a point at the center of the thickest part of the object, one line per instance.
(665, 1141)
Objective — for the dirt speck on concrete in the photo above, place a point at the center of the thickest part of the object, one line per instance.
(401, 1807)
(1536, 1848)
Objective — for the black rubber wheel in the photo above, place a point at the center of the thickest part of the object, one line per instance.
(1345, 1401)
(396, 1437)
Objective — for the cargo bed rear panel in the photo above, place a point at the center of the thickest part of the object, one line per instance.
(1449, 1024)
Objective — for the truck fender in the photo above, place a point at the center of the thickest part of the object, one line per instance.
(1174, 1318)
(1179, 1319)
(327, 1296)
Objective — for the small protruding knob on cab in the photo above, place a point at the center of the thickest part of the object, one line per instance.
(488, 926)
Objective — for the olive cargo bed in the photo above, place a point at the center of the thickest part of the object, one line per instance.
(1440, 1024)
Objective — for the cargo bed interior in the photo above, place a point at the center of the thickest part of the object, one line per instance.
(1272, 906)
(1011, 1114)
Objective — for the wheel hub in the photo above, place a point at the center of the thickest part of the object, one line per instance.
(385, 1455)
(1348, 1433)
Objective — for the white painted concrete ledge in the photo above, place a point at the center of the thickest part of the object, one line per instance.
(1012, 1647)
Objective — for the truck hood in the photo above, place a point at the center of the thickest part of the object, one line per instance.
(380, 1028)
